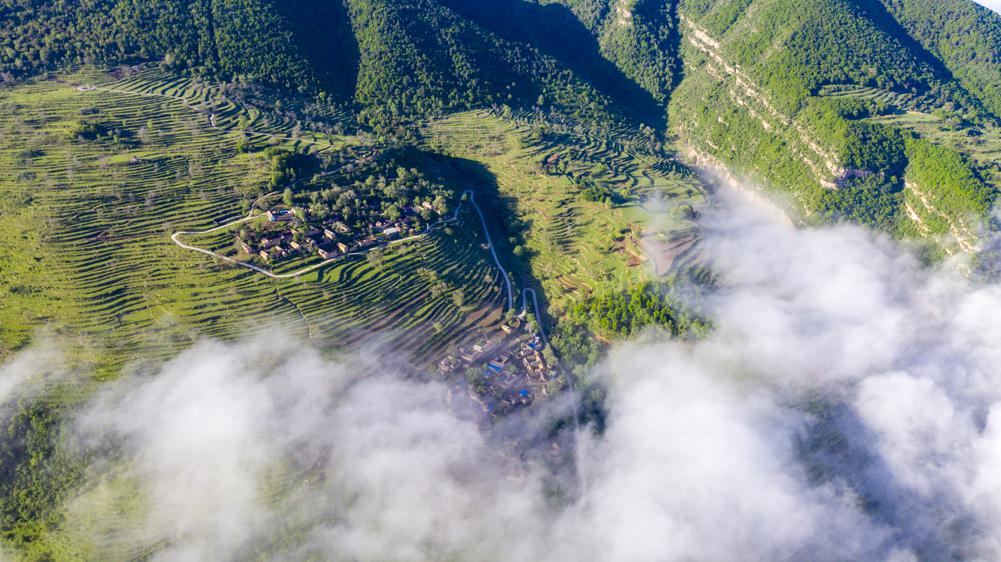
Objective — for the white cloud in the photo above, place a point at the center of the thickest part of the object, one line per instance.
(992, 4)
(845, 408)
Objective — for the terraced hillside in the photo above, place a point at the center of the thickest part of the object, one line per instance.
(87, 224)
(586, 213)
(803, 105)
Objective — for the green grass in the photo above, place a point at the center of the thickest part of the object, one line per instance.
(574, 247)
(901, 100)
(87, 225)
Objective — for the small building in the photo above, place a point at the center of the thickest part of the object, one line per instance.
(281, 215)
(329, 234)
(391, 232)
(243, 245)
(264, 255)
(272, 241)
(328, 251)
(482, 345)
(448, 365)
(342, 247)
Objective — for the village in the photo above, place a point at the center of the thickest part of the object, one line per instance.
(286, 234)
(503, 372)
(358, 204)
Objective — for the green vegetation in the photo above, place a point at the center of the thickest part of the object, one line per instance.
(253, 39)
(627, 313)
(964, 36)
(357, 122)
(869, 203)
(827, 95)
(563, 240)
(36, 473)
(423, 58)
(622, 314)
(95, 259)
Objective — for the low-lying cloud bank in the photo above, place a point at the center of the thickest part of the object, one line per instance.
(848, 407)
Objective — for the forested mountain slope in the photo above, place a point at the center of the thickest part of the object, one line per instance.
(298, 44)
(421, 57)
(965, 36)
(825, 99)
(819, 97)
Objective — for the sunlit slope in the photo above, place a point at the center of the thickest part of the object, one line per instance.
(576, 247)
(87, 226)
(798, 97)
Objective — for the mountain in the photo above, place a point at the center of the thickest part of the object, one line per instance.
(303, 45)
(445, 174)
(823, 99)
(964, 36)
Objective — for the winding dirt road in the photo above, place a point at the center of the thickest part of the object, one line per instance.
(176, 239)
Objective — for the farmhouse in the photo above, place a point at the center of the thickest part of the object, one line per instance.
(243, 245)
(448, 365)
(281, 215)
(272, 240)
(328, 251)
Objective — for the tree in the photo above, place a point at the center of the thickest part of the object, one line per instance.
(531, 324)
(392, 213)
(376, 258)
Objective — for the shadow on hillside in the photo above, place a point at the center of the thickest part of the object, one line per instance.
(885, 20)
(507, 232)
(328, 41)
(555, 31)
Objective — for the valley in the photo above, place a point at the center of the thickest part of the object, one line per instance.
(373, 247)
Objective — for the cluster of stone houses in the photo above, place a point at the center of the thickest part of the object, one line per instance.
(509, 374)
(291, 235)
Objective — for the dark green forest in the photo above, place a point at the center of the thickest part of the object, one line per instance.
(596, 62)
(876, 112)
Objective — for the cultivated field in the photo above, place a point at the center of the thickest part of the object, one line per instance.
(572, 246)
(980, 142)
(87, 225)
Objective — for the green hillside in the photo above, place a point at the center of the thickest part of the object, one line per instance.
(964, 36)
(422, 58)
(300, 44)
(421, 169)
(800, 97)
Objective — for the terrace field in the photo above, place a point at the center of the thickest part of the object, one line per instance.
(979, 141)
(99, 170)
(87, 226)
(572, 246)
